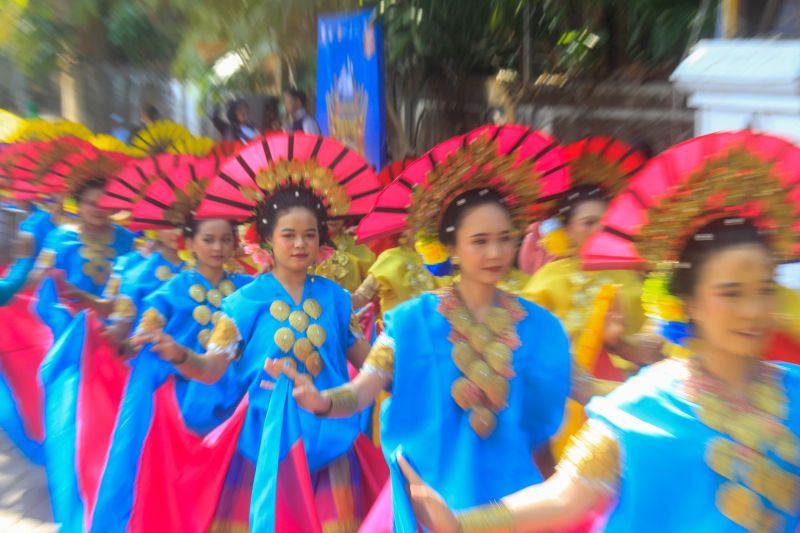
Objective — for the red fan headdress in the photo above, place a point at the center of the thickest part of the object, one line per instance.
(127, 187)
(172, 199)
(604, 162)
(32, 168)
(523, 165)
(345, 183)
(225, 149)
(76, 170)
(391, 171)
(720, 175)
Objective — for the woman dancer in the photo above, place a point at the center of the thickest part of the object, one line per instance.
(478, 377)
(724, 418)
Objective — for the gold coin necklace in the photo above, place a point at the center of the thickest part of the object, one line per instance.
(302, 338)
(752, 438)
(482, 351)
(99, 255)
(207, 312)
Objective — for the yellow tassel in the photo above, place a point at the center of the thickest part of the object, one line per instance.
(590, 342)
(186, 256)
(432, 251)
(150, 234)
(70, 206)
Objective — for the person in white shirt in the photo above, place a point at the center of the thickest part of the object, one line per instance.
(294, 100)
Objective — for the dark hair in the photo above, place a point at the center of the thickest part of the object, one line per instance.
(233, 106)
(283, 200)
(569, 202)
(192, 226)
(708, 241)
(151, 112)
(463, 203)
(294, 92)
(94, 183)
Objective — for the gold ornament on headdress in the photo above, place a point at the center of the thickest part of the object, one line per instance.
(475, 166)
(306, 173)
(98, 167)
(734, 184)
(594, 170)
(185, 202)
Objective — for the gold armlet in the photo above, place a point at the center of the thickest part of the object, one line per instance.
(344, 400)
(491, 518)
(368, 288)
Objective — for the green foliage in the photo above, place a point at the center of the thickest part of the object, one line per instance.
(42, 32)
(452, 36)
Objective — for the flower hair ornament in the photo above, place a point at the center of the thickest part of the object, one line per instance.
(522, 165)
(343, 182)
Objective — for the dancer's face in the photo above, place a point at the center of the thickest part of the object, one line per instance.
(213, 243)
(295, 239)
(485, 244)
(88, 210)
(734, 299)
(585, 221)
(168, 238)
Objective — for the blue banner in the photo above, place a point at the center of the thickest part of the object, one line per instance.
(351, 106)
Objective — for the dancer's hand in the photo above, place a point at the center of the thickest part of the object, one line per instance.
(429, 507)
(614, 327)
(647, 348)
(163, 345)
(305, 393)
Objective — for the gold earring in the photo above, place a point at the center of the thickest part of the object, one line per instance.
(456, 260)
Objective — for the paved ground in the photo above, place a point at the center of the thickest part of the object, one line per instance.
(24, 504)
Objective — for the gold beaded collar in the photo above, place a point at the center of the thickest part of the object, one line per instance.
(99, 255)
(753, 440)
(483, 353)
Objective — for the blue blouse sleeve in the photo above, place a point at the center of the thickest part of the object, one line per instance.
(15, 279)
(157, 308)
(544, 374)
(347, 320)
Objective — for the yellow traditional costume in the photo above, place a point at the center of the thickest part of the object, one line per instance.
(581, 298)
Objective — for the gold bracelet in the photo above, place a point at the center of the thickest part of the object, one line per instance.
(368, 288)
(344, 400)
(490, 518)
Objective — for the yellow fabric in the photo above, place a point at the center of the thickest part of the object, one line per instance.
(569, 292)
(343, 268)
(515, 282)
(402, 276)
(789, 311)
(365, 256)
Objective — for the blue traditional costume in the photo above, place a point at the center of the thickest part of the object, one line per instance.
(722, 466)
(471, 400)
(674, 449)
(257, 322)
